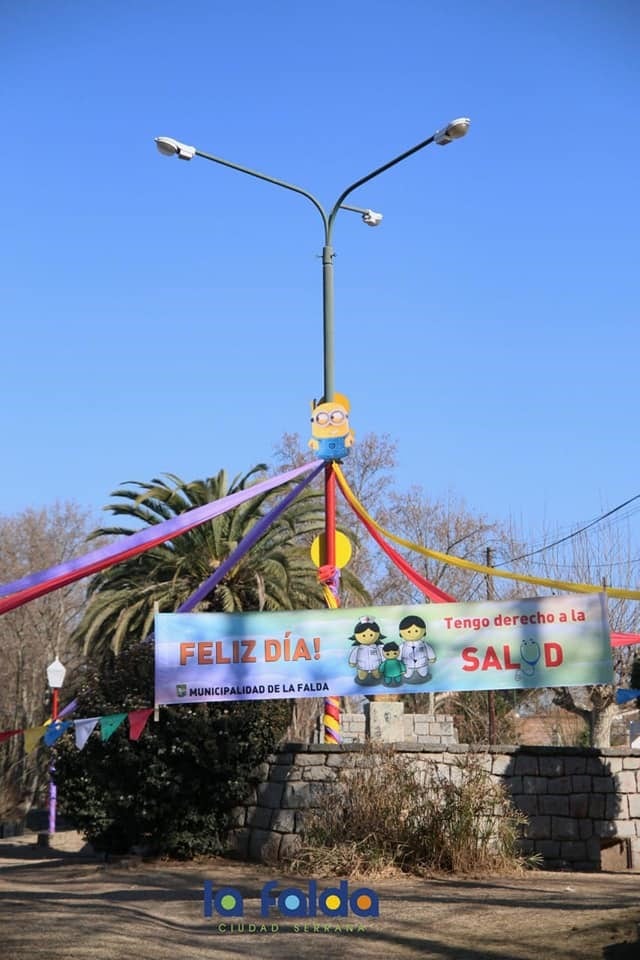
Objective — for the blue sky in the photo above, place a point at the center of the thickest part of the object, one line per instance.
(161, 316)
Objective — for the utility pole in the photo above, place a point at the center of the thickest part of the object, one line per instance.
(491, 694)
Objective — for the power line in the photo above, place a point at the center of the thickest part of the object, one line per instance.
(605, 565)
(570, 536)
(619, 518)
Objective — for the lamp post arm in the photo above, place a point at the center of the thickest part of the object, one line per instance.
(374, 173)
(327, 262)
(274, 180)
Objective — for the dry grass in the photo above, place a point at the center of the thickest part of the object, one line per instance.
(383, 817)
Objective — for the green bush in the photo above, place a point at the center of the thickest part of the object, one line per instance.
(172, 791)
(384, 814)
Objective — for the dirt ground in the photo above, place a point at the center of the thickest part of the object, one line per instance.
(64, 903)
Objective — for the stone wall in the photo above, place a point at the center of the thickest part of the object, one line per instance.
(581, 803)
(382, 720)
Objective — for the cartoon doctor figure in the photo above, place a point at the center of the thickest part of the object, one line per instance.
(415, 652)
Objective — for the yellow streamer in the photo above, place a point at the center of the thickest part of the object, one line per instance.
(329, 598)
(616, 592)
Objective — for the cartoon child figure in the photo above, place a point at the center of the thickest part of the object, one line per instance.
(331, 435)
(366, 655)
(415, 652)
(392, 669)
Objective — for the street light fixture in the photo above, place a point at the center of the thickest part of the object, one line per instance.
(55, 679)
(453, 131)
(168, 147)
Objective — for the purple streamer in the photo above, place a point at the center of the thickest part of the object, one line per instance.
(243, 547)
(169, 528)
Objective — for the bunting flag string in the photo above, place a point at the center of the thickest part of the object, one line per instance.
(51, 731)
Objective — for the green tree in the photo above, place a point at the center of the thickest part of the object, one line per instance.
(276, 574)
(173, 790)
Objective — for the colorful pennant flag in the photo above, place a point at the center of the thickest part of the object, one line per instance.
(84, 729)
(55, 730)
(138, 721)
(32, 737)
(109, 725)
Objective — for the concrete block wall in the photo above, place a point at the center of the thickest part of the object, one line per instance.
(578, 801)
(424, 728)
(418, 728)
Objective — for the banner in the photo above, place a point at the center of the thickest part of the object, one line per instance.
(519, 644)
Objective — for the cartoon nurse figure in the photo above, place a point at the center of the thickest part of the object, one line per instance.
(366, 654)
(415, 652)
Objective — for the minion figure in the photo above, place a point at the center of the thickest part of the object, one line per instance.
(331, 435)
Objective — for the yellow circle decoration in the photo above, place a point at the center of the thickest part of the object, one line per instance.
(343, 550)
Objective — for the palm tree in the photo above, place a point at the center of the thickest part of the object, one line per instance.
(277, 574)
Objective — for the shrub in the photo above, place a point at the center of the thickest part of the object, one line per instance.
(384, 814)
(172, 791)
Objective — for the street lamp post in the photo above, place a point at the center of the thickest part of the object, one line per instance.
(452, 131)
(55, 679)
